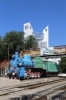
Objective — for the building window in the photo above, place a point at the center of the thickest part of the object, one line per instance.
(26, 27)
(30, 27)
(43, 44)
(46, 29)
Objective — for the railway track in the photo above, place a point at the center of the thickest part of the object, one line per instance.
(14, 89)
(39, 98)
(40, 95)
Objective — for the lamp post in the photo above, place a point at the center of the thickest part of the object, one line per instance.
(8, 48)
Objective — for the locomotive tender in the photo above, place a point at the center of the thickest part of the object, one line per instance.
(26, 67)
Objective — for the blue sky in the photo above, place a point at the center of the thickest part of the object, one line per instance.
(40, 13)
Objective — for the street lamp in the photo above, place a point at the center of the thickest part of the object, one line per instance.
(8, 48)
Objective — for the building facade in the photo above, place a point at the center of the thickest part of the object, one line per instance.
(60, 49)
(41, 37)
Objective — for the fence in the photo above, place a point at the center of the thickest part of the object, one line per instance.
(3, 67)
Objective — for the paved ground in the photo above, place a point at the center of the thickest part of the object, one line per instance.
(6, 82)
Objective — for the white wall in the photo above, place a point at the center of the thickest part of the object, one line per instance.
(45, 42)
(47, 51)
(29, 30)
(46, 35)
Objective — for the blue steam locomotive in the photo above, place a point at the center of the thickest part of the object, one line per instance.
(18, 66)
(25, 67)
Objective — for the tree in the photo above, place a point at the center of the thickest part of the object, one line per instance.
(14, 41)
(62, 65)
(1, 48)
(0, 45)
(30, 43)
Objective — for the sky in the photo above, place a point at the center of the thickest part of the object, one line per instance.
(40, 13)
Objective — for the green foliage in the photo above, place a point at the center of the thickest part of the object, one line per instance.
(14, 41)
(62, 65)
(1, 48)
(1, 41)
(30, 43)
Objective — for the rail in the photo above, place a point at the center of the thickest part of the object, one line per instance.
(43, 95)
(14, 89)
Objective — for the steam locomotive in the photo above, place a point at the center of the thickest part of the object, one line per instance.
(26, 67)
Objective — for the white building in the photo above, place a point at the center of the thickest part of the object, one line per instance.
(42, 38)
(48, 51)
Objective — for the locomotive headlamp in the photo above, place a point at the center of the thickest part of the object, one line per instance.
(13, 73)
(20, 64)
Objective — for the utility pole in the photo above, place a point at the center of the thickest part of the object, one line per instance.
(8, 51)
(8, 48)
